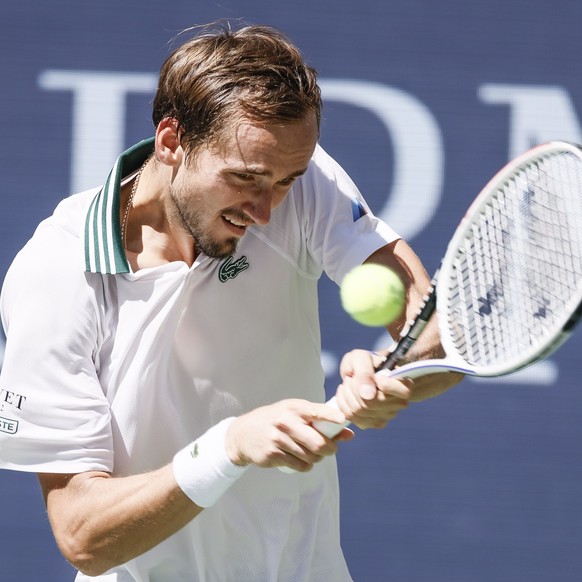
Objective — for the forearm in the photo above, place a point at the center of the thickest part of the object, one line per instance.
(100, 522)
(428, 346)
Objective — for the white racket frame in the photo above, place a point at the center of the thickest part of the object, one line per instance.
(553, 337)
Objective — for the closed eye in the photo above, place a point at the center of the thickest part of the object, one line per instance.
(252, 176)
(244, 177)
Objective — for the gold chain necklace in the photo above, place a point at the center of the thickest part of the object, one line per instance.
(130, 201)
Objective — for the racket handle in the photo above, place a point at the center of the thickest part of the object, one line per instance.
(411, 332)
(407, 338)
(330, 429)
(326, 428)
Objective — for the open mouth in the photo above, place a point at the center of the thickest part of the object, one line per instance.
(234, 225)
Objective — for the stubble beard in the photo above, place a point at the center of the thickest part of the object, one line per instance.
(203, 241)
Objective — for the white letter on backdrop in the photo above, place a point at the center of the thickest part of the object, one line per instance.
(417, 145)
(536, 114)
(98, 118)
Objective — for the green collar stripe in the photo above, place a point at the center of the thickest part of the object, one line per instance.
(108, 219)
(104, 252)
(95, 236)
(102, 247)
(100, 231)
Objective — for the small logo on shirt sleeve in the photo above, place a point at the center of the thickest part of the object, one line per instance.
(358, 209)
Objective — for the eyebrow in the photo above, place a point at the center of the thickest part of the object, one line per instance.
(257, 171)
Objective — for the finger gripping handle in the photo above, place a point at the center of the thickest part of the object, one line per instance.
(330, 429)
(326, 428)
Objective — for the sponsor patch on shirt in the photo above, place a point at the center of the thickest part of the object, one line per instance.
(358, 209)
(8, 425)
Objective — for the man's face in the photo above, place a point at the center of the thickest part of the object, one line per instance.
(230, 185)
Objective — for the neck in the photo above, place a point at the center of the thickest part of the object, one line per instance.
(152, 235)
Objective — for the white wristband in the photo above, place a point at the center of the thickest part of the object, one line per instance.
(203, 470)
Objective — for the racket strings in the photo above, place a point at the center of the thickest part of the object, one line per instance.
(520, 264)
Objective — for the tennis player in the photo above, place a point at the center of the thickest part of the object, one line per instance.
(163, 351)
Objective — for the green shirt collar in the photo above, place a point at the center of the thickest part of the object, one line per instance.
(103, 247)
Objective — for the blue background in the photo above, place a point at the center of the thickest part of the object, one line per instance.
(482, 484)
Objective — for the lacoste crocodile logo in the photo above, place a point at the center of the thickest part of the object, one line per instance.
(230, 268)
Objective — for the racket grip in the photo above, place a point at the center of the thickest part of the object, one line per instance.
(330, 429)
(326, 428)
(411, 332)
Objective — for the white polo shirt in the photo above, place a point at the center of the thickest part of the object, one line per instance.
(111, 370)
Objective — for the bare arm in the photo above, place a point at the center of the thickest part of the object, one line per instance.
(400, 257)
(100, 521)
(403, 260)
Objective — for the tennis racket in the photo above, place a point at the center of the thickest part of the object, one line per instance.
(509, 288)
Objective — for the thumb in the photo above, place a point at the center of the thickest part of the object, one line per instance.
(400, 388)
(367, 391)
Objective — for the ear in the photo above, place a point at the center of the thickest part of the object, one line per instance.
(168, 148)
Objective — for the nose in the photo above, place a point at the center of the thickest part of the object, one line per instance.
(260, 208)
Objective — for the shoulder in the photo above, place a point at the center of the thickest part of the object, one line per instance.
(324, 185)
(48, 270)
(68, 218)
(324, 167)
(56, 239)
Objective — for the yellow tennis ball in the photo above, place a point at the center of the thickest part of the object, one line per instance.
(372, 294)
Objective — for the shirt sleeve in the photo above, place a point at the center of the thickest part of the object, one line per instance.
(342, 230)
(54, 416)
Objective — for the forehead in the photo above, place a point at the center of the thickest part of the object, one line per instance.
(253, 143)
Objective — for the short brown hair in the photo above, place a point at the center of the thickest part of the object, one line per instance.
(254, 72)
